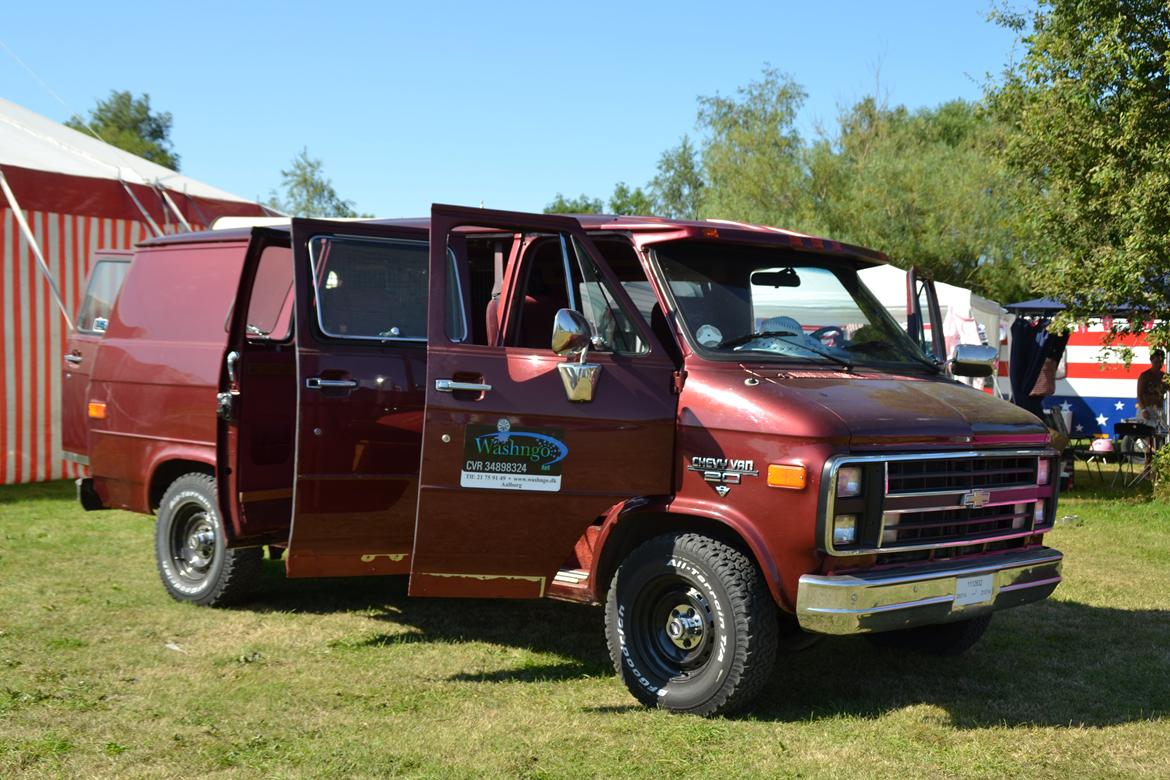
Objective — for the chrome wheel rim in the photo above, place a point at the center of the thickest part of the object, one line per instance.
(193, 543)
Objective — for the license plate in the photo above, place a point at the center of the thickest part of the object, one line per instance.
(974, 590)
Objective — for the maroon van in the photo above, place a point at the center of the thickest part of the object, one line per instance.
(712, 428)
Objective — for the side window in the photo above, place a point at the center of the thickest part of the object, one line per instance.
(104, 283)
(560, 274)
(369, 288)
(270, 305)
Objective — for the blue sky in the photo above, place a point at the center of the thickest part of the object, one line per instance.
(504, 103)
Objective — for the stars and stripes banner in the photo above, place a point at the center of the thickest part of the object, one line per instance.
(1099, 389)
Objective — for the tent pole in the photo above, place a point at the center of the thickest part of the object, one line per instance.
(145, 214)
(36, 248)
(163, 191)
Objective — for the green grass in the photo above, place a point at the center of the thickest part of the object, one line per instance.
(101, 674)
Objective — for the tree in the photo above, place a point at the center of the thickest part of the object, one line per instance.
(677, 189)
(128, 123)
(582, 204)
(628, 201)
(308, 193)
(925, 187)
(1088, 111)
(752, 155)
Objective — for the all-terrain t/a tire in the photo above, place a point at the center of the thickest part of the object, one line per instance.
(191, 551)
(691, 626)
(942, 639)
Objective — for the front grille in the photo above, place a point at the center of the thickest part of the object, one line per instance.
(962, 502)
(949, 553)
(919, 476)
(952, 525)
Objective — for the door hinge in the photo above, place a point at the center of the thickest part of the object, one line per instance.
(678, 380)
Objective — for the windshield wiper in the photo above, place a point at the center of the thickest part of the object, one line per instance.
(783, 335)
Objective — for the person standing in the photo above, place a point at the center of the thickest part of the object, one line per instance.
(1151, 392)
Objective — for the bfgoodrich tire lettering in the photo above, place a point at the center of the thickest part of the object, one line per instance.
(690, 625)
(190, 547)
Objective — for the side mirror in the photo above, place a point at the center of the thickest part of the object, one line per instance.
(571, 334)
(974, 360)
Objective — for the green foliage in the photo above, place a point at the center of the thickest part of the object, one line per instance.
(923, 186)
(128, 123)
(1161, 470)
(582, 204)
(678, 188)
(1088, 112)
(753, 157)
(308, 192)
(626, 201)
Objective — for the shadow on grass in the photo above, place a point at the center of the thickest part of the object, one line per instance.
(1055, 663)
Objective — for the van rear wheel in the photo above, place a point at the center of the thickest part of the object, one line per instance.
(191, 550)
(690, 625)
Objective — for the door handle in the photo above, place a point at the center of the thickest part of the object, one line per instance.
(450, 386)
(317, 383)
(73, 360)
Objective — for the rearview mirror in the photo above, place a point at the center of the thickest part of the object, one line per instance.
(974, 360)
(785, 277)
(571, 334)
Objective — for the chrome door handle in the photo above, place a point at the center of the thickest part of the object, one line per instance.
(73, 360)
(450, 386)
(317, 383)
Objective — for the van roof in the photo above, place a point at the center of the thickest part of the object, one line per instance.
(667, 229)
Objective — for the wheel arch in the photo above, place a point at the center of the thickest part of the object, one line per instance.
(166, 470)
(631, 523)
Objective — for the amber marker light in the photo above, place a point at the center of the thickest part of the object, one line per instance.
(785, 476)
(710, 233)
(97, 410)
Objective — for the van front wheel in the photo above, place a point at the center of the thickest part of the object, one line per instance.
(191, 550)
(690, 625)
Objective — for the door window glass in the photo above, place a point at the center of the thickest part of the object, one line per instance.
(369, 288)
(546, 290)
(104, 283)
(270, 305)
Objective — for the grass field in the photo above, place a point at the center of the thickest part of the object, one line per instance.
(101, 674)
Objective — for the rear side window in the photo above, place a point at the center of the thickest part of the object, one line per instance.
(370, 288)
(270, 305)
(104, 283)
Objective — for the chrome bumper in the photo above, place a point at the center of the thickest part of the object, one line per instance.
(905, 598)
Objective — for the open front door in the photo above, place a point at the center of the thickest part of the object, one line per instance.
(513, 472)
(923, 318)
(361, 302)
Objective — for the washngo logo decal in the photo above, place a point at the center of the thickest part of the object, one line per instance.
(507, 458)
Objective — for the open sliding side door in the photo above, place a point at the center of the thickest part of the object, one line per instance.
(361, 299)
(512, 471)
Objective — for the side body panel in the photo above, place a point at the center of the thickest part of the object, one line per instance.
(158, 365)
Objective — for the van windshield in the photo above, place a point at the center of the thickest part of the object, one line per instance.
(759, 303)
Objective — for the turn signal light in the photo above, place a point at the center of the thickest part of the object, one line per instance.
(785, 476)
(97, 410)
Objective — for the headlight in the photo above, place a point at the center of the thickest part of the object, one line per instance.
(844, 530)
(1043, 471)
(848, 481)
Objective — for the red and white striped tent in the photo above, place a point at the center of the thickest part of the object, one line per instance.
(64, 195)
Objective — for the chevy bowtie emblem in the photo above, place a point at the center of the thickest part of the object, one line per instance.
(973, 499)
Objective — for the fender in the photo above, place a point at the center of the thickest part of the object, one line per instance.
(160, 453)
(629, 512)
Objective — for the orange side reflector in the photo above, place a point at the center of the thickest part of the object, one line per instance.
(782, 476)
(710, 233)
(97, 410)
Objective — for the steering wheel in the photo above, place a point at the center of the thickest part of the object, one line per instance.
(835, 334)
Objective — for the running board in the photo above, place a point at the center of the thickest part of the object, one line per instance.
(570, 585)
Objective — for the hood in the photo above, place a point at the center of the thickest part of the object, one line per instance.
(866, 409)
